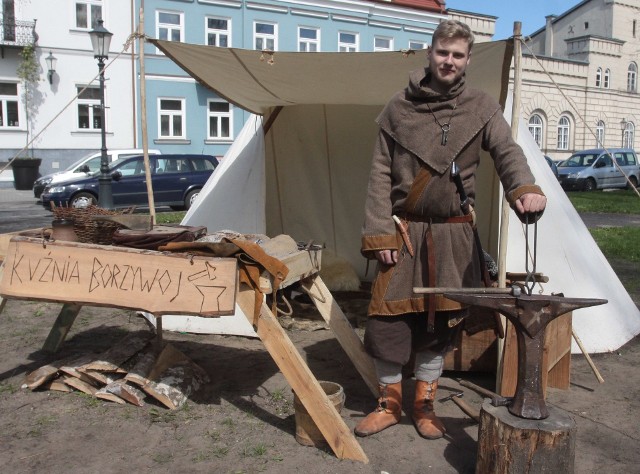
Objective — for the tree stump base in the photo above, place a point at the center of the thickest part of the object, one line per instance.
(509, 444)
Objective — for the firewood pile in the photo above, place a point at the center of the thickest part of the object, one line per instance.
(128, 372)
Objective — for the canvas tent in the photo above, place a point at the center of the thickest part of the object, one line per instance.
(306, 174)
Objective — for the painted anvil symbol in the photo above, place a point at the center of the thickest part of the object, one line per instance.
(530, 315)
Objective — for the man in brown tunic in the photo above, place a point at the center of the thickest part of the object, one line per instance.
(415, 226)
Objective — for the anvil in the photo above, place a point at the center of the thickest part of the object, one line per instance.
(529, 314)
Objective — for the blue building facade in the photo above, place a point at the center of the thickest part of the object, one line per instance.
(185, 117)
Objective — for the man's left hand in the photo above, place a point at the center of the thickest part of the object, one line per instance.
(531, 203)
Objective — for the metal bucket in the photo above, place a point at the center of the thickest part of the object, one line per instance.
(307, 433)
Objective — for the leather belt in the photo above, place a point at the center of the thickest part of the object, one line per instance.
(439, 220)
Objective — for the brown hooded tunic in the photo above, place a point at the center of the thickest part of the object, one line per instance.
(409, 152)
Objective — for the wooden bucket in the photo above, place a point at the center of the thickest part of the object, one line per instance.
(307, 433)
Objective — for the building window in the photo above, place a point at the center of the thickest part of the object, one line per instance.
(220, 117)
(381, 43)
(89, 117)
(564, 127)
(9, 105)
(599, 77)
(347, 42)
(88, 12)
(169, 26)
(628, 135)
(632, 77)
(218, 31)
(171, 119)
(417, 45)
(600, 134)
(265, 36)
(633, 29)
(535, 127)
(607, 78)
(308, 39)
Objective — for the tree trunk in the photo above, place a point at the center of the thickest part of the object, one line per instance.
(509, 444)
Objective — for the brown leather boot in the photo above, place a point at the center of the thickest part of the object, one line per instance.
(387, 412)
(425, 419)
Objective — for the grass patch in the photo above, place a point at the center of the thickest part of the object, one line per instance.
(162, 416)
(618, 242)
(6, 387)
(617, 202)
(170, 217)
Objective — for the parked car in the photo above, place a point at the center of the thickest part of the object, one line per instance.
(176, 180)
(594, 169)
(84, 166)
(552, 164)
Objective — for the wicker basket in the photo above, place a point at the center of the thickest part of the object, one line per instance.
(88, 230)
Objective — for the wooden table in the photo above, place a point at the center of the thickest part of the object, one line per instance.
(76, 274)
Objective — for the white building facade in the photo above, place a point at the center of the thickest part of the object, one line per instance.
(66, 128)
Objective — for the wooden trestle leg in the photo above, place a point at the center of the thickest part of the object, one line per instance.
(301, 379)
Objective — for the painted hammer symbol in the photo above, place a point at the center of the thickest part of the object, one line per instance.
(464, 406)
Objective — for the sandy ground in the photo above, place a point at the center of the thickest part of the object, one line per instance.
(243, 421)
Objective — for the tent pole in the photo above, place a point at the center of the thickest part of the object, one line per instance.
(504, 218)
(143, 116)
(272, 118)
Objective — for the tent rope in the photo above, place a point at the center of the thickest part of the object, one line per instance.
(126, 46)
(578, 114)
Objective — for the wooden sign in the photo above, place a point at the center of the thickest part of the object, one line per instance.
(157, 282)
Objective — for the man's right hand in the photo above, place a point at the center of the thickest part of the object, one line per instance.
(388, 257)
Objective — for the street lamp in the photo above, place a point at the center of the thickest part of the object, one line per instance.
(623, 127)
(51, 66)
(100, 40)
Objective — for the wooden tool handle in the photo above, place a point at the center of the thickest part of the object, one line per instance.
(464, 406)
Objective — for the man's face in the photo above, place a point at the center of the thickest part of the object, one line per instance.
(448, 59)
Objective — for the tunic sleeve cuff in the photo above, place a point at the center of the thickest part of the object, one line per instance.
(517, 193)
(371, 243)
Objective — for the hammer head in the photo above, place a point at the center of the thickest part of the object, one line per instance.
(449, 397)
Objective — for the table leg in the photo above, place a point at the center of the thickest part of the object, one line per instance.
(342, 329)
(302, 381)
(61, 327)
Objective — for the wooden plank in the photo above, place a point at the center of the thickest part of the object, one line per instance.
(301, 265)
(81, 385)
(113, 359)
(126, 392)
(43, 375)
(557, 347)
(560, 374)
(509, 366)
(141, 369)
(156, 282)
(559, 340)
(104, 394)
(57, 385)
(295, 370)
(342, 329)
(61, 327)
(174, 377)
(476, 352)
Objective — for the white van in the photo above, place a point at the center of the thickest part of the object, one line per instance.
(84, 166)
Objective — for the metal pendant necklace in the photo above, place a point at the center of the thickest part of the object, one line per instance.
(445, 127)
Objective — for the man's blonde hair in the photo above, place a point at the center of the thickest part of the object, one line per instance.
(450, 29)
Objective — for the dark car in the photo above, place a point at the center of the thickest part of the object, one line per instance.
(84, 167)
(552, 164)
(176, 181)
